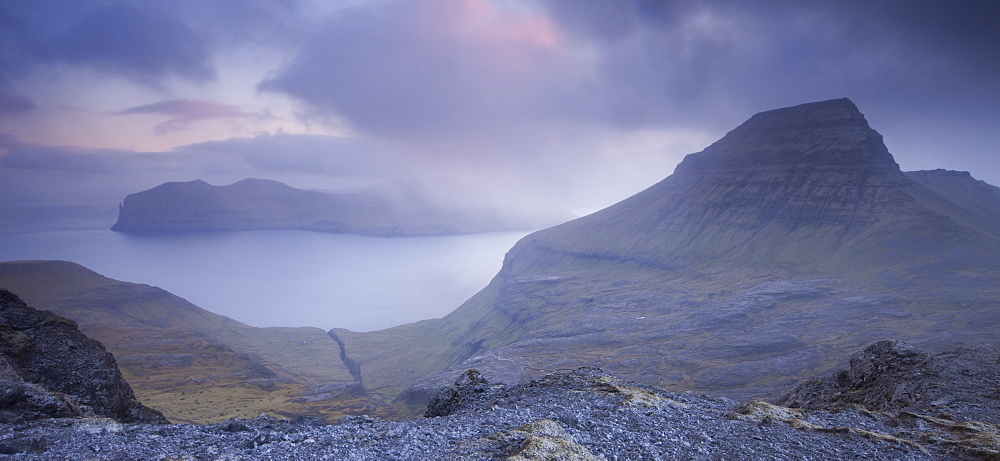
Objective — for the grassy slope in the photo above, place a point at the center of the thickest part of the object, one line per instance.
(193, 365)
(665, 287)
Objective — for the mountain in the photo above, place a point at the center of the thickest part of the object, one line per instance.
(191, 364)
(976, 199)
(263, 204)
(761, 260)
(49, 369)
(764, 259)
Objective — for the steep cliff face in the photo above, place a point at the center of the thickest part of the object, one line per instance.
(49, 369)
(763, 258)
(263, 204)
(811, 186)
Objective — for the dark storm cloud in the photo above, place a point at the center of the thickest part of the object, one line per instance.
(183, 112)
(409, 69)
(756, 55)
(966, 31)
(141, 42)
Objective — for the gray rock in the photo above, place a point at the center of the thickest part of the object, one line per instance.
(50, 369)
(584, 414)
(895, 376)
(448, 399)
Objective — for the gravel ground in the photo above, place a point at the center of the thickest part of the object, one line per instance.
(580, 415)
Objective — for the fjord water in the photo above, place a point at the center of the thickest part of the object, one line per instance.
(285, 278)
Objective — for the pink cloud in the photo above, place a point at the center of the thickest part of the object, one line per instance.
(183, 112)
(433, 70)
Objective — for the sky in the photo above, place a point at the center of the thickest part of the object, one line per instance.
(568, 104)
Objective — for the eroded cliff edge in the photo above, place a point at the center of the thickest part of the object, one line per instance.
(48, 368)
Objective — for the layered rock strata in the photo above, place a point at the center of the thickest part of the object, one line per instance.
(761, 260)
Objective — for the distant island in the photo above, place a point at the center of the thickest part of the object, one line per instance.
(254, 204)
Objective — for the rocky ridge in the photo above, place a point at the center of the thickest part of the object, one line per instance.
(894, 376)
(583, 414)
(49, 369)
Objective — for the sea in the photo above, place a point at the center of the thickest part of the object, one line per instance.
(275, 277)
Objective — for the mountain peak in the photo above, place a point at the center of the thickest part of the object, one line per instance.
(830, 133)
(804, 186)
(841, 112)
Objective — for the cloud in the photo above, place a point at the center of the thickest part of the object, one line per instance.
(326, 159)
(37, 157)
(137, 41)
(964, 31)
(13, 104)
(424, 70)
(452, 69)
(301, 154)
(183, 112)
(141, 43)
(529, 94)
(543, 96)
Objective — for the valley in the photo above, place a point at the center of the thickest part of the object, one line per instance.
(765, 259)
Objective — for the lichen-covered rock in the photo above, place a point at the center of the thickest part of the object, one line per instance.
(48, 368)
(21, 401)
(449, 399)
(546, 439)
(894, 376)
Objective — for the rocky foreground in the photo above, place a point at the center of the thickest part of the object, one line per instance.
(584, 414)
(48, 368)
(63, 397)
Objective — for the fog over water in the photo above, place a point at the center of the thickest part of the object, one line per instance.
(286, 278)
